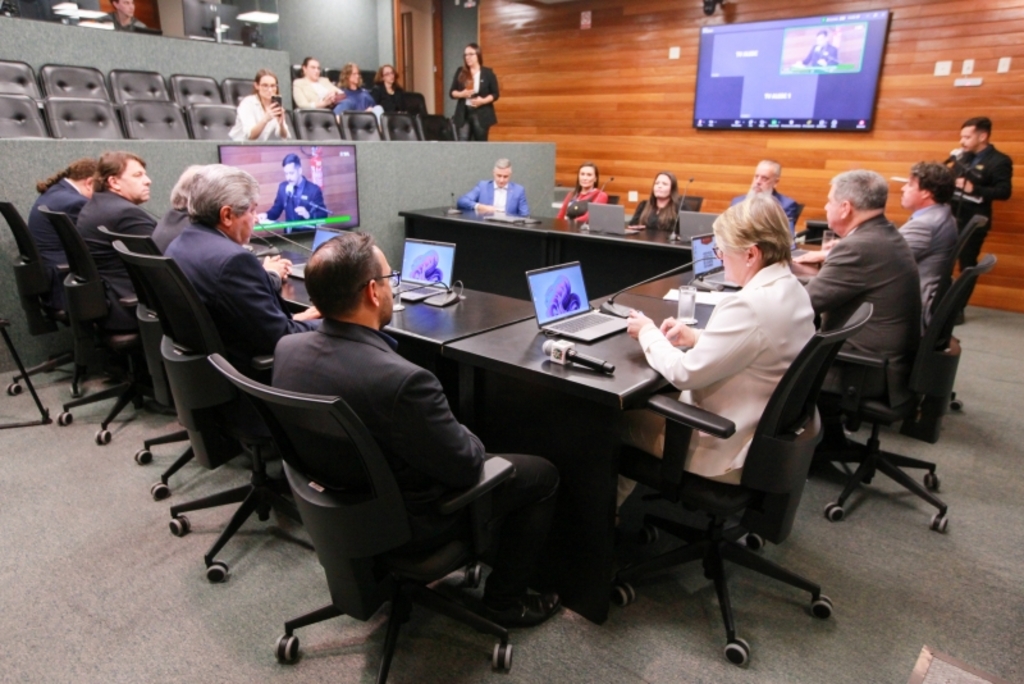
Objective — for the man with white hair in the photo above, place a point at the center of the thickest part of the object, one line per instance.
(766, 177)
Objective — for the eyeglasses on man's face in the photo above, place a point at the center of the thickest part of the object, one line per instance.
(394, 278)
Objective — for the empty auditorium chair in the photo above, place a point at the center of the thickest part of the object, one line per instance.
(20, 118)
(18, 78)
(154, 121)
(76, 118)
(211, 121)
(401, 127)
(234, 89)
(437, 127)
(414, 103)
(360, 126)
(316, 124)
(84, 83)
(132, 86)
(190, 90)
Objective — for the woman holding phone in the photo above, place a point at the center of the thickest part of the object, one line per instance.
(476, 89)
(261, 115)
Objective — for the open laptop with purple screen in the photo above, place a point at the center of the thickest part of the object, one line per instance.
(561, 305)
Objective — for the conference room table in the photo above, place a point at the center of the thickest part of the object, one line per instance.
(494, 256)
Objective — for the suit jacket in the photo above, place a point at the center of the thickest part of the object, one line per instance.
(305, 194)
(62, 197)
(118, 215)
(483, 193)
(488, 86)
(748, 345)
(401, 404)
(991, 173)
(874, 264)
(931, 234)
(788, 204)
(250, 316)
(170, 227)
(827, 53)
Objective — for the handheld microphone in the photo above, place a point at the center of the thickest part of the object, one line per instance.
(611, 308)
(453, 210)
(674, 237)
(564, 352)
(290, 190)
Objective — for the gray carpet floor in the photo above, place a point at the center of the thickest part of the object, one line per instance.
(93, 587)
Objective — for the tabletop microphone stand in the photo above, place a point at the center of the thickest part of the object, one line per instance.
(674, 237)
(453, 210)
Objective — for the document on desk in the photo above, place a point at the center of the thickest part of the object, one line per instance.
(709, 298)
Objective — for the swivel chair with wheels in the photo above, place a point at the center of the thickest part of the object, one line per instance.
(975, 224)
(931, 381)
(769, 492)
(87, 308)
(354, 512)
(219, 424)
(44, 414)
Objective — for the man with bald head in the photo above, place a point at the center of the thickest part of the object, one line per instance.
(766, 177)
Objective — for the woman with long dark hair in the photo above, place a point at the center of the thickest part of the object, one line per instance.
(588, 180)
(476, 89)
(659, 211)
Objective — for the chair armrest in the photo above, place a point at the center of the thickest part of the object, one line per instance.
(63, 269)
(855, 368)
(861, 359)
(495, 471)
(129, 302)
(262, 363)
(692, 416)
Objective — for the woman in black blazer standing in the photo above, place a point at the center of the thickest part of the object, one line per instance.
(476, 88)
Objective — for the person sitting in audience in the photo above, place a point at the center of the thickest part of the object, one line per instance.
(249, 313)
(660, 210)
(587, 190)
(123, 16)
(766, 177)
(261, 115)
(498, 196)
(931, 231)
(313, 91)
(732, 366)
(67, 191)
(119, 187)
(405, 409)
(386, 92)
(356, 98)
(176, 218)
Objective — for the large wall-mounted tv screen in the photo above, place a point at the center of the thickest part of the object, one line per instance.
(301, 186)
(815, 73)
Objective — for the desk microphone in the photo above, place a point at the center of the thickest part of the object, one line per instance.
(606, 184)
(564, 352)
(613, 309)
(674, 237)
(282, 237)
(453, 210)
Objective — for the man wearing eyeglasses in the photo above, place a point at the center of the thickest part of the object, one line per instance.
(249, 313)
(404, 408)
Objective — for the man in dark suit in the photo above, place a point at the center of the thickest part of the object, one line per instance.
(66, 191)
(872, 263)
(297, 197)
(498, 196)
(404, 407)
(982, 173)
(250, 316)
(823, 54)
(119, 187)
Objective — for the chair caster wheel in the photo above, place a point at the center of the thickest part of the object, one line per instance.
(287, 649)
(648, 535)
(14, 389)
(143, 456)
(103, 437)
(180, 526)
(65, 419)
(939, 523)
(623, 594)
(501, 659)
(217, 572)
(956, 405)
(754, 541)
(159, 492)
(931, 481)
(473, 576)
(821, 607)
(737, 652)
(834, 512)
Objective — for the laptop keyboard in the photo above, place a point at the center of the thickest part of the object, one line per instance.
(582, 323)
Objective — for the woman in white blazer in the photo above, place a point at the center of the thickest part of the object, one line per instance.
(732, 366)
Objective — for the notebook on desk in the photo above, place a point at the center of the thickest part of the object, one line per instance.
(426, 269)
(708, 269)
(562, 307)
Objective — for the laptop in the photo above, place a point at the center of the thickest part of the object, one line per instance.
(562, 307)
(321, 236)
(608, 218)
(693, 223)
(426, 269)
(508, 218)
(708, 269)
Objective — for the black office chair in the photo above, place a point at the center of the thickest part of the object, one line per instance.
(191, 90)
(87, 308)
(414, 103)
(613, 199)
(18, 78)
(134, 86)
(975, 224)
(317, 124)
(353, 510)
(219, 424)
(404, 127)
(367, 76)
(34, 285)
(80, 119)
(153, 120)
(211, 121)
(931, 381)
(437, 127)
(360, 126)
(799, 211)
(296, 71)
(78, 82)
(333, 75)
(20, 117)
(692, 203)
(769, 492)
(44, 413)
(813, 231)
(234, 89)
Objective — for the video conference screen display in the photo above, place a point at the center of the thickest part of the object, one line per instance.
(815, 73)
(301, 186)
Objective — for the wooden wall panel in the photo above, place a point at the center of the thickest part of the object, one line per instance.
(610, 94)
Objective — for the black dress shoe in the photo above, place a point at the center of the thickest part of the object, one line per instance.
(527, 611)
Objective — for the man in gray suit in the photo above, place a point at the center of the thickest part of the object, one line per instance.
(871, 262)
(931, 230)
